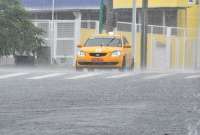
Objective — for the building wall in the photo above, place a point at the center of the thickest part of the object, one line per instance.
(157, 16)
(153, 3)
(86, 33)
(187, 17)
(65, 15)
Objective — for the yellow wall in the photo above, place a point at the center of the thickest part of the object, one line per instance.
(193, 20)
(188, 18)
(182, 18)
(85, 34)
(152, 3)
(178, 58)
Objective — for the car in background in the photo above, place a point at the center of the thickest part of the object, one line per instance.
(105, 51)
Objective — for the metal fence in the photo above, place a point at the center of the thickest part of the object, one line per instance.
(6, 60)
(168, 47)
(90, 24)
(59, 35)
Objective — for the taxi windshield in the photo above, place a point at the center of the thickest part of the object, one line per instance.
(114, 42)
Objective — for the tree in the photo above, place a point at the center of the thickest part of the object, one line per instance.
(18, 36)
(101, 16)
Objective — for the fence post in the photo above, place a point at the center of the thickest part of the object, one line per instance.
(168, 46)
(195, 54)
(177, 52)
(77, 32)
(52, 40)
(198, 47)
(152, 47)
(97, 27)
(134, 29)
(184, 48)
(198, 54)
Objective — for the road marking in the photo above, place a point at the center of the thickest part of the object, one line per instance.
(83, 76)
(157, 76)
(121, 75)
(192, 77)
(46, 76)
(12, 75)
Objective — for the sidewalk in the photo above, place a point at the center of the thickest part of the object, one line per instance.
(64, 68)
(36, 68)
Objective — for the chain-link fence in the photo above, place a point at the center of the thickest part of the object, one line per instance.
(168, 47)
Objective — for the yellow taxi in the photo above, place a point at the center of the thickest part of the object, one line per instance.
(105, 51)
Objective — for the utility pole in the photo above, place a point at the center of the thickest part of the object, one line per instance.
(53, 47)
(109, 15)
(144, 37)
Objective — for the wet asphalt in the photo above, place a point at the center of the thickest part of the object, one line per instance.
(101, 103)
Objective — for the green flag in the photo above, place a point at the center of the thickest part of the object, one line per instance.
(101, 16)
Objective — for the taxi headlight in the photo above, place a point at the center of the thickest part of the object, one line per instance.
(81, 53)
(116, 53)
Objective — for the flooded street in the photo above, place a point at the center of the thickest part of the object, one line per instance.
(101, 102)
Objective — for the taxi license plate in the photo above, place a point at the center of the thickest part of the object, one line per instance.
(97, 60)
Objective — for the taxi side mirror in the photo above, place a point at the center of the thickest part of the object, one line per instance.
(79, 46)
(127, 46)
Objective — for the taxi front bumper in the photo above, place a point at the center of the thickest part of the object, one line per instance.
(99, 62)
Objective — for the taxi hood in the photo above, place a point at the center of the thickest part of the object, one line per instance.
(98, 49)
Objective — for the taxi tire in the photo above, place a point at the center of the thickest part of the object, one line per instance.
(132, 63)
(123, 68)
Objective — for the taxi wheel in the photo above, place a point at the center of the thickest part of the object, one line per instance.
(123, 68)
(133, 64)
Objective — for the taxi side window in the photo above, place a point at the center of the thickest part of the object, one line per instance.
(117, 42)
